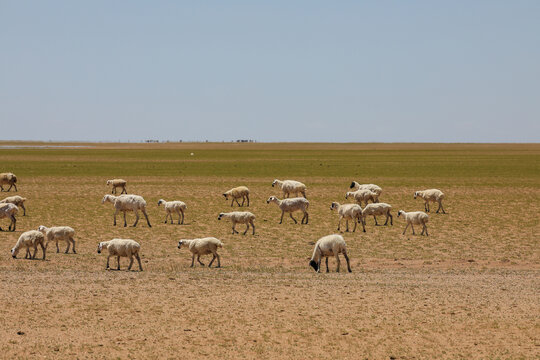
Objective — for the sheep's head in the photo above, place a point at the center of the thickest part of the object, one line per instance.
(416, 194)
(42, 228)
(399, 213)
(102, 245)
(270, 199)
(180, 243)
(220, 216)
(14, 252)
(352, 185)
(314, 265)
(109, 182)
(160, 201)
(348, 194)
(274, 182)
(108, 198)
(226, 196)
(334, 206)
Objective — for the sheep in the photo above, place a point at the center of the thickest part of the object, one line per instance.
(239, 217)
(357, 186)
(291, 205)
(290, 187)
(348, 212)
(378, 209)
(9, 211)
(363, 195)
(117, 183)
(59, 233)
(415, 218)
(203, 246)
(8, 179)
(330, 245)
(173, 206)
(121, 248)
(431, 195)
(127, 203)
(16, 200)
(237, 193)
(27, 240)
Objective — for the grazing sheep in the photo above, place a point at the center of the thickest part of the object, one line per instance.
(348, 212)
(29, 239)
(127, 203)
(203, 246)
(363, 195)
(121, 248)
(378, 209)
(415, 218)
(330, 245)
(8, 179)
(239, 217)
(16, 200)
(290, 187)
(117, 183)
(431, 195)
(59, 233)
(9, 211)
(237, 193)
(173, 206)
(357, 186)
(291, 205)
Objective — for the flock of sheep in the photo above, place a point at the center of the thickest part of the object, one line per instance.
(327, 246)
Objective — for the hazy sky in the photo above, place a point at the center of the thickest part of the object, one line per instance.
(450, 71)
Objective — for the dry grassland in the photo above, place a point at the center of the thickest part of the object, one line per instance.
(469, 290)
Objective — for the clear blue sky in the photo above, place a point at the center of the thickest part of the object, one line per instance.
(412, 71)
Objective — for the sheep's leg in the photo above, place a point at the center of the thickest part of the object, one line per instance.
(425, 228)
(136, 218)
(238, 202)
(28, 254)
(440, 208)
(232, 202)
(13, 222)
(114, 216)
(179, 216)
(123, 190)
(211, 261)
(68, 246)
(376, 224)
(354, 230)
(296, 222)
(339, 223)
(427, 203)
(319, 265)
(35, 252)
(338, 262)
(405, 228)
(146, 216)
(218, 260)
(234, 228)
(327, 269)
(199, 260)
(44, 249)
(166, 218)
(192, 260)
(412, 227)
(247, 197)
(182, 212)
(139, 261)
(247, 228)
(253, 226)
(391, 218)
(108, 258)
(361, 220)
(73, 243)
(57, 248)
(243, 200)
(130, 262)
(24, 209)
(307, 217)
(347, 225)
(118, 262)
(282, 213)
(348, 262)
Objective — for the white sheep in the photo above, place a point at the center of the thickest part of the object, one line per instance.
(363, 195)
(9, 211)
(348, 212)
(16, 200)
(59, 233)
(117, 183)
(239, 217)
(290, 187)
(330, 245)
(415, 218)
(431, 195)
(203, 246)
(171, 207)
(357, 186)
(127, 203)
(121, 248)
(8, 179)
(29, 239)
(378, 209)
(291, 205)
(237, 193)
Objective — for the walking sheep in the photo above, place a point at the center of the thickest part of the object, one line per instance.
(203, 246)
(431, 195)
(290, 187)
(378, 209)
(59, 233)
(348, 212)
(173, 207)
(8, 179)
(363, 195)
(9, 211)
(330, 245)
(127, 203)
(117, 183)
(16, 200)
(237, 193)
(415, 218)
(27, 240)
(121, 248)
(239, 217)
(357, 186)
(291, 205)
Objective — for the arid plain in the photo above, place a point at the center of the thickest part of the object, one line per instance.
(469, 290)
